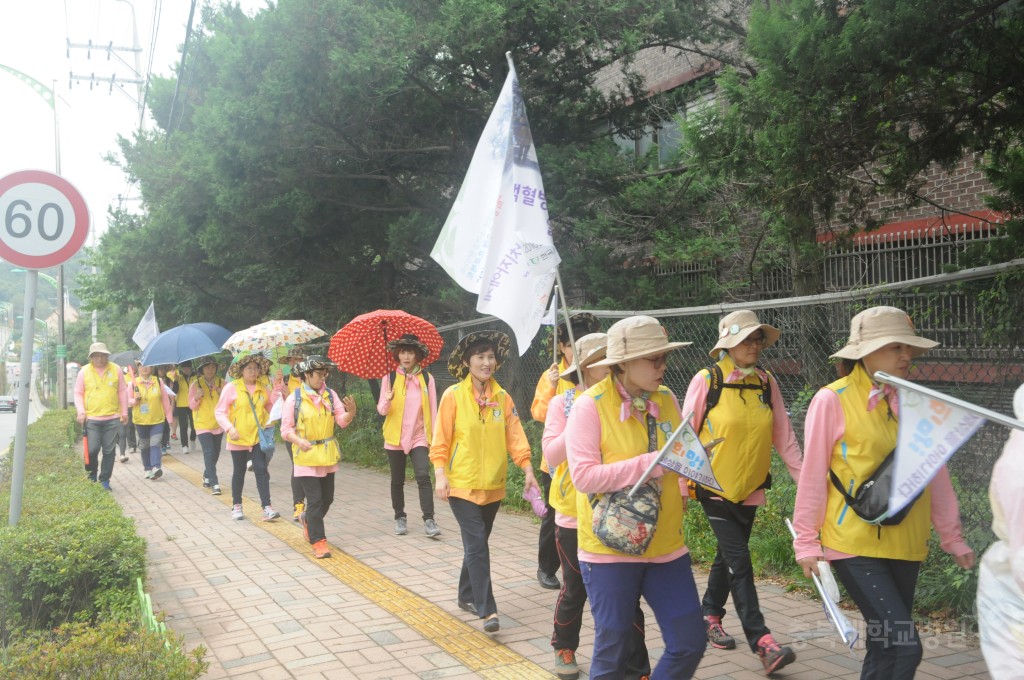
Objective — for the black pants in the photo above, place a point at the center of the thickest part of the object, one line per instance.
(186, 428)
(475, 523)
(319, 492)
(547, 551)
(298, 493)
(569, 608)
(210, 443)
(259, 469)
(883, 591)
(126, 437)
(732, 571)
(420, 457)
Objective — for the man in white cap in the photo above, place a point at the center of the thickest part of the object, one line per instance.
(102, 404)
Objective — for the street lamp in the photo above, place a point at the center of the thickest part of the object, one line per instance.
(62, 293)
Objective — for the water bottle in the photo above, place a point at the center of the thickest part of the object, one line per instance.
(536, 502)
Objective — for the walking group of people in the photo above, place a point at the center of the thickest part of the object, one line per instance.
(607, 413)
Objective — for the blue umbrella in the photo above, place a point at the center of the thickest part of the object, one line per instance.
(179, 344)
(218, 334)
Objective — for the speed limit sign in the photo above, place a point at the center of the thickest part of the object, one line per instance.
(43, 219)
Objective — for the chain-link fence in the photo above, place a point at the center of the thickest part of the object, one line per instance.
(967, 365)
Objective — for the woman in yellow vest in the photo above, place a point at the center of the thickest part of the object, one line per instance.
(151, 411)
(851, 428)
(203, 396)
(307, 421)
(750, 417)
(183, 380)
(614, 432)
(476, 425)
(408, 416)
(552, 383)
(293, 357)
(568, 620)
(244, 406)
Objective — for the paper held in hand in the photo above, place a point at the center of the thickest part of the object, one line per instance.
(685, 455)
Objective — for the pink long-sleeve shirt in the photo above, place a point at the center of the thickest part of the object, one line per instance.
(414, 431)
(553, 445)
(341, 418)
(122, 396)
(783, 436)
(227, 398)
(824, 427)
(591, 475)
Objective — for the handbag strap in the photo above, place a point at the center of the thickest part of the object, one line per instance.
(652, 433)
(252, 405)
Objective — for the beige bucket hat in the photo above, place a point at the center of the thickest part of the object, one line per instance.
(735, 327)
(590, 348)
(98, 348)
(636, 337)
(876, 327)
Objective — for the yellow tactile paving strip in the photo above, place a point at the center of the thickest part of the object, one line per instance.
(472, 648)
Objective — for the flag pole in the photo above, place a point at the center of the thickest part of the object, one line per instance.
(554, 338)
(568, 325)
(884, 377)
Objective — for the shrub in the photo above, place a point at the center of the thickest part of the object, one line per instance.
(109, 650)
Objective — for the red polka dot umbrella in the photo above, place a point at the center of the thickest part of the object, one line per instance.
(360, 347)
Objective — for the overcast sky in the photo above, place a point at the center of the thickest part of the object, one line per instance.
(33, 39)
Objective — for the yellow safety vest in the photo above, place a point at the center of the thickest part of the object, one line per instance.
(867, 440)
(562, 496)
(181, 385)
(241, 413)
(741, 462)
(205, 417)
(152, 398)
(479, 457)
(101, 391)
(393, 421)
(625, 440)
(315, 423)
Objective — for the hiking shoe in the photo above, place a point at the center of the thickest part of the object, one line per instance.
(299, 507)
(157, 473)
(206, 482)
(184, 448)
(216, 490)
(549, 581)
(305, 527)
(565, 664)
(491, 624)
(133, 450)
(106, 485)
(124, 457)
(320, 549)
(248, 465)
(236, 512)
(466, 606)
(401, 526)
(430, 528)
(773, 656)
(717, 637)
(149, 474)
(269, 513)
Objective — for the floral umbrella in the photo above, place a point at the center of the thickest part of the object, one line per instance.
(360, 347)
(270, 334)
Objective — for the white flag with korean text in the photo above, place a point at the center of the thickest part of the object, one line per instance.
(930, 432)
(147, 328)
(685, 455)
(496, 241)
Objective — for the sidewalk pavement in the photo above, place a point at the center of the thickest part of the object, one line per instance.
(384, 606)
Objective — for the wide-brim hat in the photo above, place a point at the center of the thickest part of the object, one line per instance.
(636, 337)
(314, 362)
(502, 345)
(411, 341)
(98, 348)
(876, 327)
(205, 361)
(583, 323)
(735, 327)
(590, 348)
(235, 370)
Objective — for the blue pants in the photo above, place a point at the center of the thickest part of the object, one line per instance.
(149, 444)
(613, 590)
(210, 444)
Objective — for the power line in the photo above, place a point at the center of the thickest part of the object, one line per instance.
(181, 65)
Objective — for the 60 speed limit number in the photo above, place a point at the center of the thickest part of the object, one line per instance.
(43, 219)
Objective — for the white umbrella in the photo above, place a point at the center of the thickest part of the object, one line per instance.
(270, 334)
